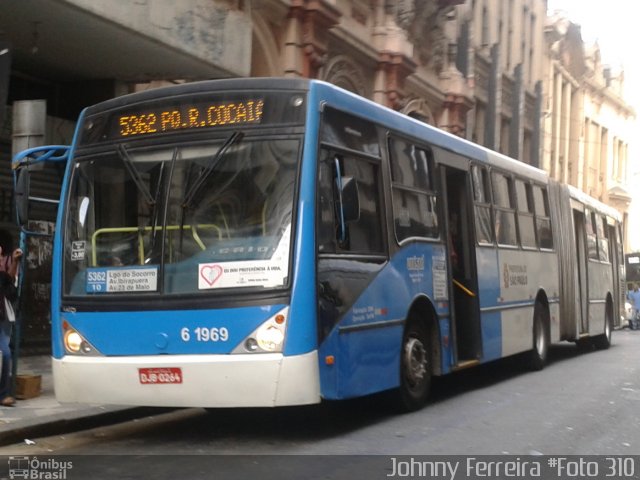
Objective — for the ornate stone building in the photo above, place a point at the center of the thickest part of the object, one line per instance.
(472, 68)
(398, 53)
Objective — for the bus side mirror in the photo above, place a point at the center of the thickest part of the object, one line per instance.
(21, 195)
(350, 199)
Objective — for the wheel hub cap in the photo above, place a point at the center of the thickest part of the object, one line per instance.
(416, 361)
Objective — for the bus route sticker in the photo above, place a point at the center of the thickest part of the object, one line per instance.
(78, 249)
(118, 280)
(439, 274)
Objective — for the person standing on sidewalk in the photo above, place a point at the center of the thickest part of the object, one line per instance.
(634, 298)
(9, 262)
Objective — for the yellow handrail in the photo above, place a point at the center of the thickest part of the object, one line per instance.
(194, 233)
(463, 288)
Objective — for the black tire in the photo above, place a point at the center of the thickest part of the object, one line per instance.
(602, 342)
(415, 368)
(540, 349)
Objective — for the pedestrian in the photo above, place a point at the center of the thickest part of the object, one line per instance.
(634, 299)
(9, 262)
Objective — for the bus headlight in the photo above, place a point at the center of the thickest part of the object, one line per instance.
(74, 343)
(268, 337)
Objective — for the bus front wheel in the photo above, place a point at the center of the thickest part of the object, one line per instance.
(415, 368)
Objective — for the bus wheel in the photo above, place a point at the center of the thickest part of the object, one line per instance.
(538, 354)
(602, 342)
(415, 368)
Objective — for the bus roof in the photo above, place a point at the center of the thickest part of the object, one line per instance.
(201, 87)
(594, 204)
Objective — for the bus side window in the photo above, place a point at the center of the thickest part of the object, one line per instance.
(592, 238)
(363, 235)
(603, 240)
(525, 215)
(482, 201)
(326, 226)
(543, 221)
(504, 209)
(414, 199)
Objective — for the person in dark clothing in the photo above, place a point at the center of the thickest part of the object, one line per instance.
(9, 262)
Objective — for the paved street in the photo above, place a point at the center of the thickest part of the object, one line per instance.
(582, 403)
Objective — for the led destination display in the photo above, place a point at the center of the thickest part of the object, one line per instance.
(190, 113)
(194, 116)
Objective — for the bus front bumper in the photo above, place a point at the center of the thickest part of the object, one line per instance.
(262, 380)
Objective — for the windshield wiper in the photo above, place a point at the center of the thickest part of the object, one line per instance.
(211, 164)
(142, 188)
(137, 179)
(204, 175)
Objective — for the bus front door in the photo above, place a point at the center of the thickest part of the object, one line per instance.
(465, 307)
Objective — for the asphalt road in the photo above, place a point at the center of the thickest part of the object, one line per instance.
(581, 403)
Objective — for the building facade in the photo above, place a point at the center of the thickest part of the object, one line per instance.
(588, 127)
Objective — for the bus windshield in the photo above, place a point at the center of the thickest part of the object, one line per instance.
(187, 218)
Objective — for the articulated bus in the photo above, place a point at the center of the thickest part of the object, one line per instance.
(269, 242)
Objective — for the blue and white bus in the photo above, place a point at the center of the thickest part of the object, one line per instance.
(268, 242)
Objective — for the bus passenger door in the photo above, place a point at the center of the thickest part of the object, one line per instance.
(581, 287)
(465, 307)
(617, 256)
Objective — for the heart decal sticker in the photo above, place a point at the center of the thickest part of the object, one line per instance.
(211, 273)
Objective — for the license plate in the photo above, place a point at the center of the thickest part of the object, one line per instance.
(154, 376)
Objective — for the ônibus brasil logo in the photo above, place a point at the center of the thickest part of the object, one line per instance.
(32, 468)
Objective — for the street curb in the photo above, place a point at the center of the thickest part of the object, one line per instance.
(63, 423)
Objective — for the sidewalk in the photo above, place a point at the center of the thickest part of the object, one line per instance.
(43, 415)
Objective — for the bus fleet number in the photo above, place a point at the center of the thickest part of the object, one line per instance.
(203, 334)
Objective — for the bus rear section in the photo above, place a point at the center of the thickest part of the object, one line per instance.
(174, 277)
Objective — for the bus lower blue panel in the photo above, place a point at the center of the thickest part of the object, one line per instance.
(365, 343)
(491, 336)
(446, 354)
(368, 361)
(489, 281)
(168, 332)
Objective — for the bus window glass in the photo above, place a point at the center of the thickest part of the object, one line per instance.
(522, 197)
(342, 129)
(481, 192)
(326, 230)
(481, 187)
(543, 220)
(501, 191)
(363, 235)
(525, 215)
(592, 242)
(411, 166)
(195, 210)
(414, 202)
(504, 211)
(603, 240)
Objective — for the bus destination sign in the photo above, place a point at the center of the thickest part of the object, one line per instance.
(190, 117)
(192, 113)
